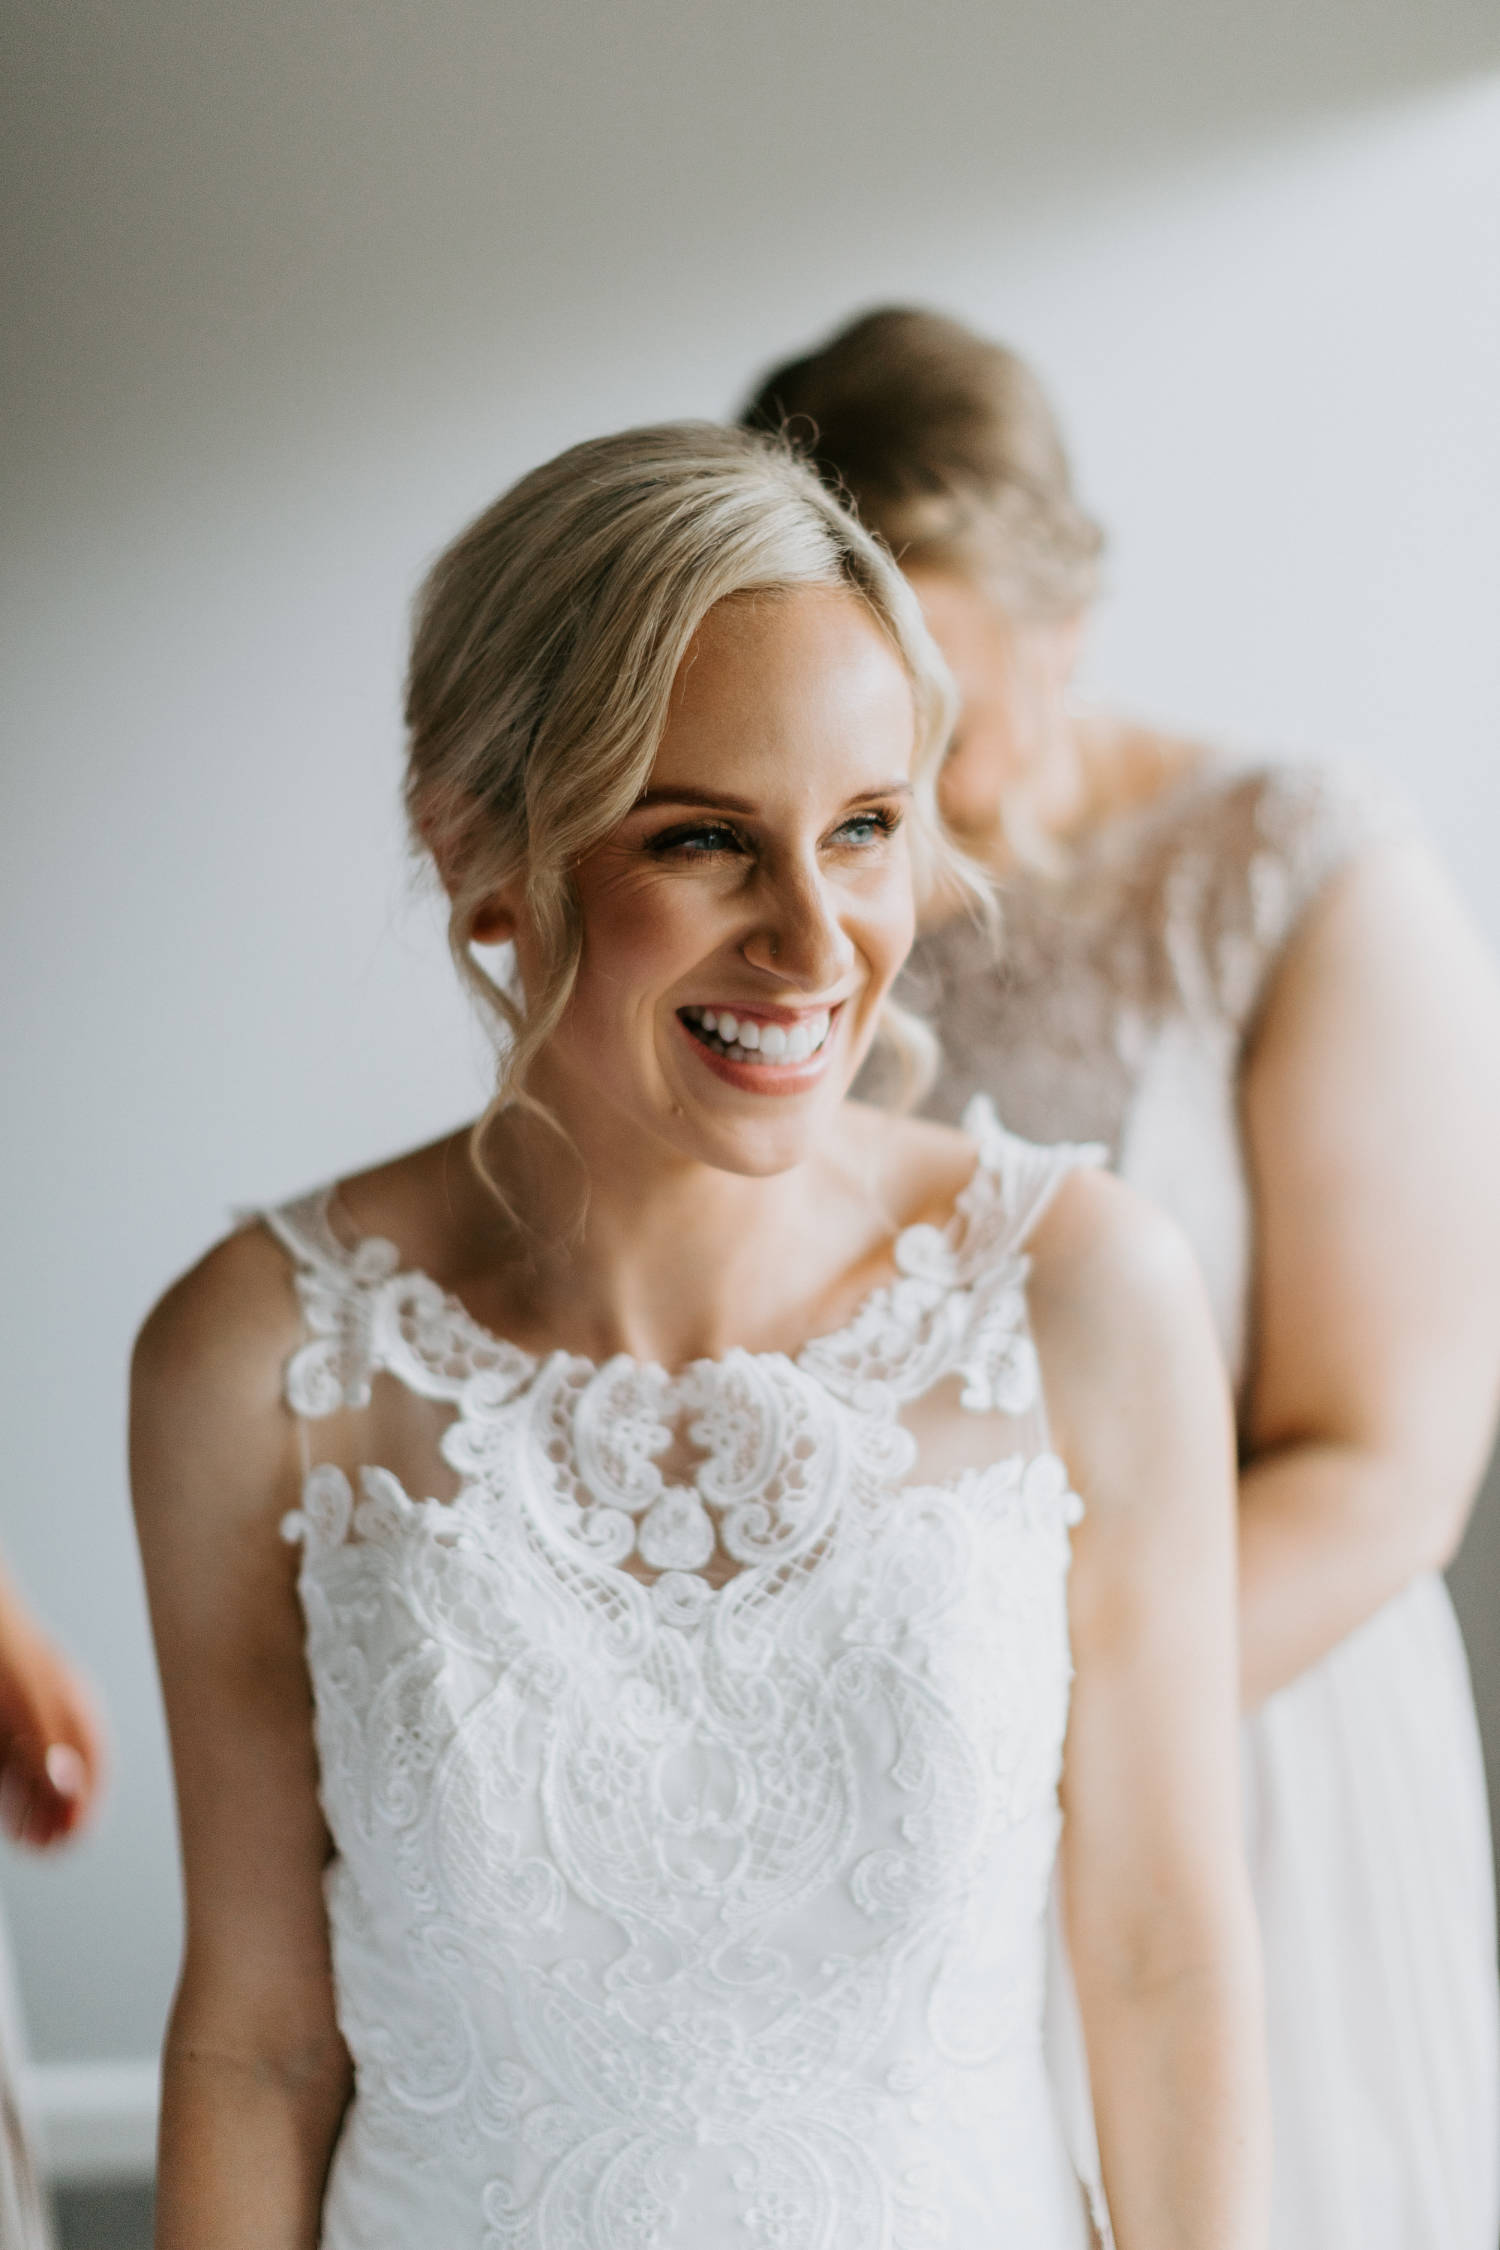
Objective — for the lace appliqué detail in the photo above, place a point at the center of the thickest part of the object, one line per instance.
(338, 1292)
(693, 1777)
(761, 1453)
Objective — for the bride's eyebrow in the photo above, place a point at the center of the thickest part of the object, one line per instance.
(711, 799)
(715, 801)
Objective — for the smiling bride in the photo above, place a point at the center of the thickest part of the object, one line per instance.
(632, 1648)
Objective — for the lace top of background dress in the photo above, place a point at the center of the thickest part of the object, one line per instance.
(1126, 988)
(1121, 1009)
(691, 1760)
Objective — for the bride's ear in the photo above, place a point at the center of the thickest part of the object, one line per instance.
(494, 920)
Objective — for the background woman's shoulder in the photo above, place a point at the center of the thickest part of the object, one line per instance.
(1226, 862)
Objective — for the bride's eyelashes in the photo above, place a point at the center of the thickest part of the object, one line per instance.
(882, 821)
(711, 839)
(703, 840)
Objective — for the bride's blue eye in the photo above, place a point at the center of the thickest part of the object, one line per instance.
(707, 839)
(869, 827)
(700, 842)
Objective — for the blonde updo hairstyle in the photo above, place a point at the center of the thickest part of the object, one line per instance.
(547, 639)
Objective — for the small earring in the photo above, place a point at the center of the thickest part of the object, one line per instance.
(775, 945)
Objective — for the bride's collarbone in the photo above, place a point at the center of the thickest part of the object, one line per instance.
(762, 1278)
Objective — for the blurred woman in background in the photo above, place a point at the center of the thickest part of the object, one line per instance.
(1249, 980)
(49, 1777)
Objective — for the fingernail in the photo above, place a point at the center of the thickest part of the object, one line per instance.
(65, 1770)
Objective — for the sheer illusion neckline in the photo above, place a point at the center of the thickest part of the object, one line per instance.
(748, 1451)
(930, 1251)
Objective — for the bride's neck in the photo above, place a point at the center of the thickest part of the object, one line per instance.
(645, 1253)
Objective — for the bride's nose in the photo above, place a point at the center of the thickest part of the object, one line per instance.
(799, 936)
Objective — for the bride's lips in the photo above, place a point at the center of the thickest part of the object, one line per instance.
(763, 1050)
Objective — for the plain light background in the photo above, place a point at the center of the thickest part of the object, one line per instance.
(293, 291)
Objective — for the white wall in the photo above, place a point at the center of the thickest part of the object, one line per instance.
(295, 290)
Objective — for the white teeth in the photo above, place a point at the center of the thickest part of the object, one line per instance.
(743, 1038)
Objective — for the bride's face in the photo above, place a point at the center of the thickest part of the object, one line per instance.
(744, 922)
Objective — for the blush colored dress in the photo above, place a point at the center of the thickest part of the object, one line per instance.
(1119, 1011)
(690, 1746)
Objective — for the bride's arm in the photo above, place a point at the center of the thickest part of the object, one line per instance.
(1159, 1916)
(255, 2076)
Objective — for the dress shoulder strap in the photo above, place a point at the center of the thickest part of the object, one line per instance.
(336, 1287)
(997, 1213)
(305, 1231)
(958, 1304)
(1014, 1182)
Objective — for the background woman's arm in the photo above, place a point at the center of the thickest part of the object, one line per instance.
(255, 2074)
(1160, 1923)
(51, 1758)
(1372, 1115)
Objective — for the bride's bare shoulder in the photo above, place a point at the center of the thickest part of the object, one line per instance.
(213, 1455)
(237, 1305)
(1102, 1257)
(1123, 1327)
(210, 1354)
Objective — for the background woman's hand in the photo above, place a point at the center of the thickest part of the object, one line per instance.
(51, 1748)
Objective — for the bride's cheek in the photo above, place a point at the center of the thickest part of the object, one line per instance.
(651, 932)
(887, 918)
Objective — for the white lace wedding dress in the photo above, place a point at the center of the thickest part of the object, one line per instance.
(690, 1746)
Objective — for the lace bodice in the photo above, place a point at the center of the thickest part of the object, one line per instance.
(1126, 989)
(691, 1762)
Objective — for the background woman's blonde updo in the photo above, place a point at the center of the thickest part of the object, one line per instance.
(546, 642)
(948, 448)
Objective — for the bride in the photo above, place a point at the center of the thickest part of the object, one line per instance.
(616, 1581)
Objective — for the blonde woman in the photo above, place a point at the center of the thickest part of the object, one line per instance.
(1249, 982)
(640, 1832)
